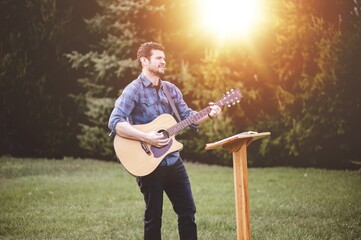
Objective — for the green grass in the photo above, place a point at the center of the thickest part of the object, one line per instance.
(88, 199)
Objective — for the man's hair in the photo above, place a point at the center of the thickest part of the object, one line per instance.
(146, 48)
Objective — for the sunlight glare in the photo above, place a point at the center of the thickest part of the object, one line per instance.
(229, 18)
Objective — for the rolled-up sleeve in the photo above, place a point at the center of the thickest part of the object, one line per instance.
(123, 107)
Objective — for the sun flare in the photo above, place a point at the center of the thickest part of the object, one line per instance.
(230, 18)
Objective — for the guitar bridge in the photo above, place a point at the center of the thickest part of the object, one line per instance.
(145, 147)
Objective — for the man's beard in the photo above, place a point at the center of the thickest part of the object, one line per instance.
(157, 73)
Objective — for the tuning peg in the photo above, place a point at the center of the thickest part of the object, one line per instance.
(234, 103)
(238, 101)
(229, 105)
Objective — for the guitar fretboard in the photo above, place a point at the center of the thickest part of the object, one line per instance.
(192, 119)
(231, 98)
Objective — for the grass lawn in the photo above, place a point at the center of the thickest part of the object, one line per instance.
(88, 199)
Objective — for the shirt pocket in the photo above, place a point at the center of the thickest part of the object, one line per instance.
(148, 103)
(149, 109)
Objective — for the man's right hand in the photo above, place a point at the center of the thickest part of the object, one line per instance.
(124, 129)
(156, 139)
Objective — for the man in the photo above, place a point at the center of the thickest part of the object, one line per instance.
(141, 102)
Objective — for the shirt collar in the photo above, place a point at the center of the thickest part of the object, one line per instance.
(147, 83)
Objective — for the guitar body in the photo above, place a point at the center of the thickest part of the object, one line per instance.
(140, 158)
(139, 161)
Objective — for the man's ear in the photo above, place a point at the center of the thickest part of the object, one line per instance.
(144, 61)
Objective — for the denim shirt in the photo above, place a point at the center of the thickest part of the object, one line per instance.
(140, 103)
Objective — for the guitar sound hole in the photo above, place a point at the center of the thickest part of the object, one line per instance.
(165, 133)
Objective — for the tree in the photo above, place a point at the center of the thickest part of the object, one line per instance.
(309, 126)
(118, 29)
(199, 83)
(287, 79)
(349, 13)
(296, 88)
(38, 115)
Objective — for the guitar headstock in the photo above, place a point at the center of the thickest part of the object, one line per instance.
(232, 97)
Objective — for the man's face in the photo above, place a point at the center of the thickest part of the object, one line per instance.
(156, 63)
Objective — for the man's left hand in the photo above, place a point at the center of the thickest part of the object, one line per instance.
(215, 110)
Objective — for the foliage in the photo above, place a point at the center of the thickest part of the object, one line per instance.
(286, 81)
(120, 27)
(300, 77)
(204, 83)
(93, 140)
(38, 115)
(296, 88)
(306, 58)
(312, 121)
(350, 73)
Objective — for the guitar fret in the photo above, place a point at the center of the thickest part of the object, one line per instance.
(195, 117)
(185, 123)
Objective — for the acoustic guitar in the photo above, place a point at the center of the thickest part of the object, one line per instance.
(140, 158)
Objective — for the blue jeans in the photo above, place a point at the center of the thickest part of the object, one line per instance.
(174, 181)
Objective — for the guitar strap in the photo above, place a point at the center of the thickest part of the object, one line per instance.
(171, 102)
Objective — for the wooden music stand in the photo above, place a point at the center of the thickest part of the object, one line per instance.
(237, 144)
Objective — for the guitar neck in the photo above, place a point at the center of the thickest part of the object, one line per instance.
(229, 99)
(192, 119)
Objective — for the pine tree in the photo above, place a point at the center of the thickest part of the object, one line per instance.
(38, 115)
(118, 30)
(308, 93)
